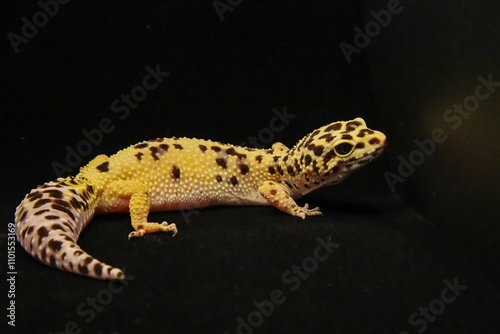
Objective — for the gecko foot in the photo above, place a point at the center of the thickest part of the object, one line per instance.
(304, 211)
(152, 228)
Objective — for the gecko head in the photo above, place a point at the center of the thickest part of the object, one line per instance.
(331, 153)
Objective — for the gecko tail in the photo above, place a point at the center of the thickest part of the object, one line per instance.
(49, 221)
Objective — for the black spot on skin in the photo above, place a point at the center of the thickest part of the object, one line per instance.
(346, 136)
(285, 159)
(232, 151)
(142, 145)
(176, 172)
(374, 141)
(244, 169)
(68, 226)
(23, 215)
(270, 151)
(307, 160)
(234, 180)
(203, 148)
(41, 212)
(273, 191)
(280, 170)
(290, 170)
(43, 255)
(258, 158)
(62, 203)
(104, 167)
(139, 156)
(57, 227)
(178, 146)
(75, 204)
(351, 126)
(289, 185)
(271, 170)
(363, 132)
(318, 150)
(51, 217)
(30, 229)
(334, 127)
(297, 167)
(218, 178)
(54, 193)
(216, 148)
(41, 202)
(328, 156)
(315, 167)
(164, 147)
(34, 196)
(63, 209)
(83, 270)
(327, 137)
(90, 188)
(276, 158)
(154, 151)
(98, 269)
(360, 145)
(221, 162)
(55, 245)
(42, 233)
(87, 260)
(77, 253)
(306, 186)
(23, 232)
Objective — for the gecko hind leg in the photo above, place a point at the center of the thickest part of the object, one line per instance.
(145, 228)
(136, 194)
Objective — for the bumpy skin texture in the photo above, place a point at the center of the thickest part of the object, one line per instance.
(183, 173)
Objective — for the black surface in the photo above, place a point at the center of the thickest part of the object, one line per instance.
(395, 250)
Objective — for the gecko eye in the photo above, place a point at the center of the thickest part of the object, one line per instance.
(343, 149)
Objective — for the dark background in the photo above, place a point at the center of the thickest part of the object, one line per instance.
(226, 77)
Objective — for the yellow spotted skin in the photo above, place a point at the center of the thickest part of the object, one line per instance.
(185, 173)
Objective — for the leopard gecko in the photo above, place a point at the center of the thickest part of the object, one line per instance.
(183, 173)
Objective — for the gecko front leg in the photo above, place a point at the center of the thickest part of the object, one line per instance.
(278, 196)
(136, 194)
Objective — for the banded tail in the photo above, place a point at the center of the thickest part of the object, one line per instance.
(49, 221)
